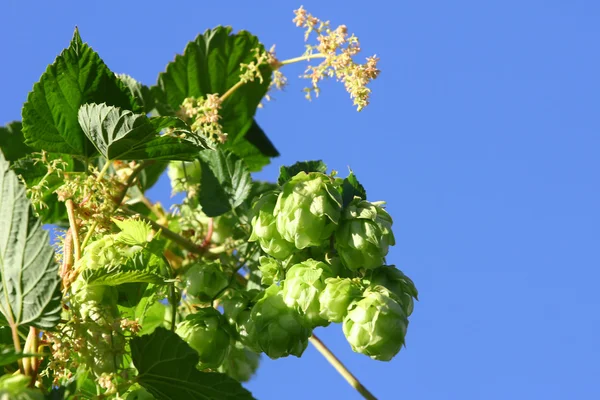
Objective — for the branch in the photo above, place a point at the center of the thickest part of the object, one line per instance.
(341, 368)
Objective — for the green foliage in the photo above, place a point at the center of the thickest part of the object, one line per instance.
(143, 304)
(225, 182)
(167, 369)
(77, 76)
(287, 173)
(30, 293)
(211, 64)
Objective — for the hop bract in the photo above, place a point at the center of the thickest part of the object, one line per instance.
(376, 325)
(336, 297)
(308, 209)
(264, 229)
(237, 307)
(205, 332)
(364, 235)
(303, 284)
(271, 269)
(279, 330)
(401, 287)
(205, 281)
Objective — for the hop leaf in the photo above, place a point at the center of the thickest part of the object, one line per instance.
(303, 284)
(279, 330)
(336, 298)
(205, 331)
(364, 235)
(264, 229)
(308, 209)
(376, 325)
(205, 281)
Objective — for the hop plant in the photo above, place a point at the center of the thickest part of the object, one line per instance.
(241, 363)
(205, 281)
(364, 235)
(303, 284)
(308, 209)
(264, 229)
(206, 332)
(278, 329)
(376, 325)
(335, 299)
(237, 308)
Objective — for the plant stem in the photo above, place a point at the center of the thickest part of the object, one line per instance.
(136, 171)
(89, 234)
(169, 234)
(302, 58)
(103, 171)
(74, 229)
(231, 90)
(341, 368)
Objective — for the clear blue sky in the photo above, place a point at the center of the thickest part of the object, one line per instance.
(483, 136)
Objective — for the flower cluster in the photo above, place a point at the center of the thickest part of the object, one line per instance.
(325, 263)
(203, 112)
(337, 48)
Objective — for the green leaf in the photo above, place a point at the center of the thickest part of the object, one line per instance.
(140, 92)
(143, 267)
(77, 76)
(30, 292)
(133, 232)
(122, 135)
(12, 141)
(211, 64)
(167, 369)
(287, 173)
(255, 149)
(351, 188)
(225, 182)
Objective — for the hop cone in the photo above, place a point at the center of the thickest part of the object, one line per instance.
(376, 325)
(241, 363)
(264, 229)
(308, 209)
(280, 331)
(204, 281)
(303, 284)
(336, 298)
(364, 235)
(401, 287)
(205, 332)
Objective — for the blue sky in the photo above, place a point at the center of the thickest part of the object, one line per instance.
(483, 137)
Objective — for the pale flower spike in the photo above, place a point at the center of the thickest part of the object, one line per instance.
(204, 116)
(337, 48)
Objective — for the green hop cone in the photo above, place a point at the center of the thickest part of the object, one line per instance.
(183, 174)
(302, 286)
(264, 229)
(271, 269)
(336, 298)
(206, 332)
(308, 209)
(364, 235)
(279, 330)
(237, 306)
(205, 281)
(241, 363)
(401, 287)
(376, 325)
